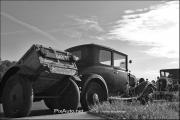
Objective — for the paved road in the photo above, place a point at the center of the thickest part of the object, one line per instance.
(80, 115)
(40, 111)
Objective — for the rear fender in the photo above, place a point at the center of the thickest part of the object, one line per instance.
(75, 78)
(87, 78)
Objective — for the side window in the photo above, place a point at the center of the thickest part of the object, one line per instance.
(162, 74)
(77, 53)
(105, 57)
(119, 61)
(167, 74)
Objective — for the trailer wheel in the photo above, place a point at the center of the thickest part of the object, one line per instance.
(94, 94)
(17, 97)
(67, 99)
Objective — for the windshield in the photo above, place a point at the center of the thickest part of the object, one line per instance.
(169, 74)
(164, 74)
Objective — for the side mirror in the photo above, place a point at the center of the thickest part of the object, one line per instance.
(130, 61)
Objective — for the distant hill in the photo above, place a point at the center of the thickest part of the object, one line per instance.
(4, 65)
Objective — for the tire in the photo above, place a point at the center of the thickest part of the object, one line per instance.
(17, 97)
(93, 94)
(67, 100)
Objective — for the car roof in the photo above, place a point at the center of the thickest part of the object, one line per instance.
(168, 70)
(96, 45)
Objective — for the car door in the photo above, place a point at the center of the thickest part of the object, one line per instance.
(105, 68)
(120, 72)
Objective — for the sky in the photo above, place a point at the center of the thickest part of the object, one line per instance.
(147, 31)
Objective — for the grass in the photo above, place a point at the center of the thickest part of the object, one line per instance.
(176, 96)
(134, 110)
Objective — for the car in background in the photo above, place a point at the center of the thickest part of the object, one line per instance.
(169, 80)
(167, 84)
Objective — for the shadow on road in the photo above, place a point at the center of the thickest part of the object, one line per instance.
(35, 113)
(38, 109)
(41, 112)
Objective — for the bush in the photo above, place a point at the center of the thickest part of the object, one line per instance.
(4, 65)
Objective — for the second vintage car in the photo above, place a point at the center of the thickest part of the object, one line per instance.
(104, 73)
(167, 85)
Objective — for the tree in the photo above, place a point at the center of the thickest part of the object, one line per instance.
(4, 65)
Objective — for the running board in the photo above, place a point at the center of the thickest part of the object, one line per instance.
(160, 101)
(122, 99)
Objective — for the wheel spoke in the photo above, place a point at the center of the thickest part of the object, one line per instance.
(94, 95)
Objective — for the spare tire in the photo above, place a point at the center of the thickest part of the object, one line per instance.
(17, 97)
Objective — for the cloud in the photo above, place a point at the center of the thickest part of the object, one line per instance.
(175, 62)
(83, 28)
(13, 33)
(129, 11)
(88, 24)
(158, 28)
(148, 74)
(29, 26)
(138, 10)
(99, 38)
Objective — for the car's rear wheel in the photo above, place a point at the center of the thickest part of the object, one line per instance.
(65, 97)
(94, 94)
(17, 97)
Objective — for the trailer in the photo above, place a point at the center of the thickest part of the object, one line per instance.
(41, 74)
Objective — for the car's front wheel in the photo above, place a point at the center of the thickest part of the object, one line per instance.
(94, 94)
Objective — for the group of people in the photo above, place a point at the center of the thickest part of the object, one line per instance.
(142, 80)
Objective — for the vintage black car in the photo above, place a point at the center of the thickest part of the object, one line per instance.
(167, 84)
(169, 80)
(42, 73)
(104, 73)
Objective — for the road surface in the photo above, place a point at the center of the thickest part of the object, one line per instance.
(40, 111)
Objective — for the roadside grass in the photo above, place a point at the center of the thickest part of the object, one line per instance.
(134, 110)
